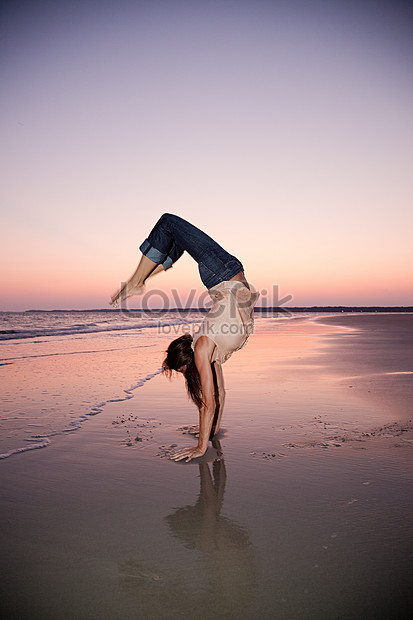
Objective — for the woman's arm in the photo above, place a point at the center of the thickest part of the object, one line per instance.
(202, 356)
(220, 398)
(219, 402)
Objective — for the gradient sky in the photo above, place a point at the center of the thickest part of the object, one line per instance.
(283, 129)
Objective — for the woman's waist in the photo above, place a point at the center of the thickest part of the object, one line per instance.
(233, 328)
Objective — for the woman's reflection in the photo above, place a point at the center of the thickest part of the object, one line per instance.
(230, 577)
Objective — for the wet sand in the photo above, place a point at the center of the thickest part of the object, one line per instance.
(377, 354)
(301, 509)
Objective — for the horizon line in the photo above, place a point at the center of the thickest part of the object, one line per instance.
(259, 309)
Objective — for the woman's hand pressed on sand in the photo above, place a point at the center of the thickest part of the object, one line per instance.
(188, 454)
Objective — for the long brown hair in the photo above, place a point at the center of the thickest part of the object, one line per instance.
(178, 354)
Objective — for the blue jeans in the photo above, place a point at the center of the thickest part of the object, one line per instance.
(172, 235)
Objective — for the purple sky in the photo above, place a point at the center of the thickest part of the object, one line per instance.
(284, 129)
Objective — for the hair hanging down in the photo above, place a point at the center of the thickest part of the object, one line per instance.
(178, 354)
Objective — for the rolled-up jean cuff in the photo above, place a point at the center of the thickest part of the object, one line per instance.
(234, 271)
(167, 264)
(152, 253)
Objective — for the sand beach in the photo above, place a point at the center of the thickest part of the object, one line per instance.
(301, 507)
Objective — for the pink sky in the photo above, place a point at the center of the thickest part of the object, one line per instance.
(284, 130)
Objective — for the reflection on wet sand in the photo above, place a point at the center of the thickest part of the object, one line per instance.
(219, 579)
(228, 556)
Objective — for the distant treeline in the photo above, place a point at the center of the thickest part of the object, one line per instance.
(338, 309)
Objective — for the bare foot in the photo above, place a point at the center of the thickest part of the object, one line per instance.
(126, 291)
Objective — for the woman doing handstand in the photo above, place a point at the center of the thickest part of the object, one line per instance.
(224, 330)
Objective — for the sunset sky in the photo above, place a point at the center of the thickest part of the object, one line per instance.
(284, 129)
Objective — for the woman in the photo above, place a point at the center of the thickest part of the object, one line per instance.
(224, 330)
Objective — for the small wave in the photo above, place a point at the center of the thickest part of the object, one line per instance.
(92, 328)
(32, 446)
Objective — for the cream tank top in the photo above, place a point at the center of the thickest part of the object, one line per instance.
(230, 320)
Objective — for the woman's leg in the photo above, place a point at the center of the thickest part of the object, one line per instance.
(166, 243)
(136, 283)
(172, 235)
(153, 261)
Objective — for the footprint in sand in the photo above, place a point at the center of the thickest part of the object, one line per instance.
(192, 429)
(166, 451)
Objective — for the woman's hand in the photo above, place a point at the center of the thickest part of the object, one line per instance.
(188, 454)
